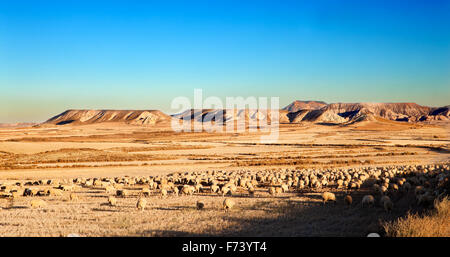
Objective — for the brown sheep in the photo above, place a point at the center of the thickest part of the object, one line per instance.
(122, 192)
(200, 205)
(278, 190)
(348, 200)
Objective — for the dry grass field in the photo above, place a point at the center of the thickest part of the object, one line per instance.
(88, 164)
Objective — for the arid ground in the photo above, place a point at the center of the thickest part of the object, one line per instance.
(109, 150)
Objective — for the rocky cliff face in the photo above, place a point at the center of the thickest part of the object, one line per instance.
(313, 112)
(353, 112)
(304, 105)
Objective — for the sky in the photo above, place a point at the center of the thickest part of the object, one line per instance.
(59, 55)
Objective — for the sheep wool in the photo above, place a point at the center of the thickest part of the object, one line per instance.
(327, 196)
(368, 200)
(348, 200)
(228, 204)
(38, 203)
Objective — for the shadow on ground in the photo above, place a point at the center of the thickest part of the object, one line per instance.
(306, 216)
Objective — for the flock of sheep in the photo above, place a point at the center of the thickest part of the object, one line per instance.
(428, 182)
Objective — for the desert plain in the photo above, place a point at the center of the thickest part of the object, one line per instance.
(128, 156)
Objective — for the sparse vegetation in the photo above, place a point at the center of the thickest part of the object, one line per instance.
(434, 223)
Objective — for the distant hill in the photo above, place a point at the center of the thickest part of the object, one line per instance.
(356, 112)
(226, 115)
(134, 117)
(304, 105)
(17, 125)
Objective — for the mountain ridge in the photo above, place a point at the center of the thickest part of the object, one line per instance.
(313, 112)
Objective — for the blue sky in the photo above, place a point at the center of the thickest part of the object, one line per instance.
(58, 55)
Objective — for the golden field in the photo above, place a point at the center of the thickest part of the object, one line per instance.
(128, 157)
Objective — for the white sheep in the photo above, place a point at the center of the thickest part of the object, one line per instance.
(112, 201)
(141, 204)
(37, 203)
(228, 204)
(327, 196)
(368, 200)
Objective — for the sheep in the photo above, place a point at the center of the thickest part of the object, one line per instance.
(339, 183)
(225, 191)
(353, 185)
(188, 190)
(112, 201)
(73, 197)
(228, 204)
(406, 186)
(425, 199)
(38, 203)
(368, 200)
(27, 192)
(348, 199)
(97, 183)
(272, 191)
(109, 189)
(387, 204)
(418, 190)
(41, 193)
(376, 188)
(15, 194)
(140, 205)
(163, 192)
(278, 190)
(215, 188)
(301, 184)
(198, 188)
(66, 187)
(54, 192)
(5, 195)
(251, 191)
(175, 191)
(384, 189)
(200, 205)
(122, 192)
(384, 198)
(327, 196)
(145, 191)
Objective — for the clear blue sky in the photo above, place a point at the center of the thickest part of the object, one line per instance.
(58, 55)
